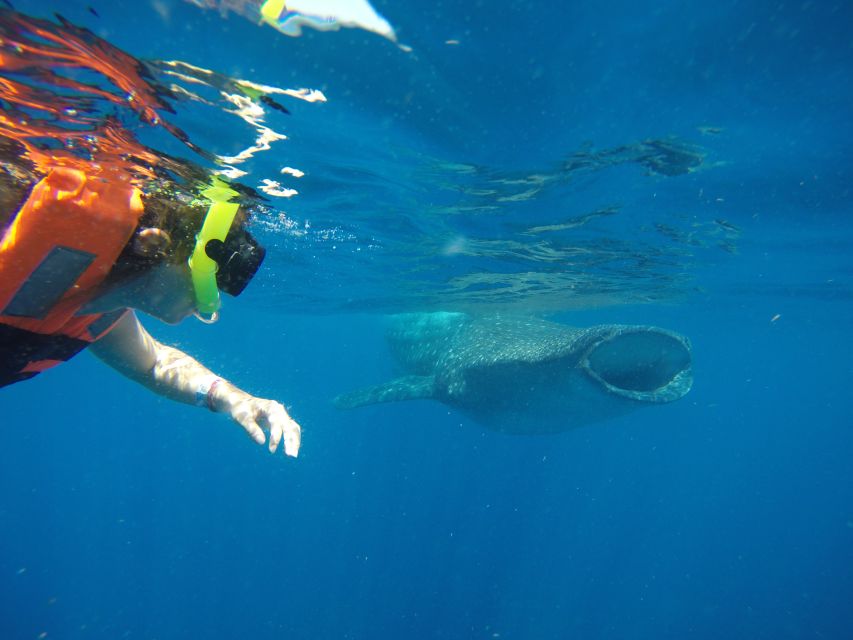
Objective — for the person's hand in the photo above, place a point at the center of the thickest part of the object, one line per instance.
(257, 415)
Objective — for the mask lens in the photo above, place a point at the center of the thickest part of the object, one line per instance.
(238, 258)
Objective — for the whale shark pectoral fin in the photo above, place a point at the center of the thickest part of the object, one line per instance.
(404, 388)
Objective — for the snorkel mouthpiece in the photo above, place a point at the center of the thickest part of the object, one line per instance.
(217, 222)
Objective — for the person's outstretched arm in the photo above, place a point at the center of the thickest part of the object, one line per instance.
(131, 350)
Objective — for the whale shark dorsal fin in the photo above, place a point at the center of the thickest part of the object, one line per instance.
(403, 388)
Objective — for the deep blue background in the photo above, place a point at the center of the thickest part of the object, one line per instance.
(728, 514)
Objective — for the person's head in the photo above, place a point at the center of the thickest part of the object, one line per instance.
(153, 272)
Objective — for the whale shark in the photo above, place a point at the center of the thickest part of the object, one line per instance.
(526, 375)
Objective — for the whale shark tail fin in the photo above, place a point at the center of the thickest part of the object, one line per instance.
(404, 388)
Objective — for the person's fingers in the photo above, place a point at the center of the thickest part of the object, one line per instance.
(260, 415)
(281, 427)
(271, 416)
(292, 437)
(275, 434)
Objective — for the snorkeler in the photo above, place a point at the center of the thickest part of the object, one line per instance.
(83, 252)
(94, 225)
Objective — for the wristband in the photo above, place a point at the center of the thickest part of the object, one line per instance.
(209, 396)
(203, 390)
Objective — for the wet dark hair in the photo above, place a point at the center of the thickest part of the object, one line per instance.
(179, 223)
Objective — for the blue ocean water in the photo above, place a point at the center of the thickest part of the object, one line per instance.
(726, 514)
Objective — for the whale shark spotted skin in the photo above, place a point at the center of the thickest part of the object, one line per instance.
(527, 375)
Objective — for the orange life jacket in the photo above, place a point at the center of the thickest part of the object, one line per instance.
(59, 248)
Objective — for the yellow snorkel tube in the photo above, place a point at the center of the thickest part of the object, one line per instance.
(217, 223)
